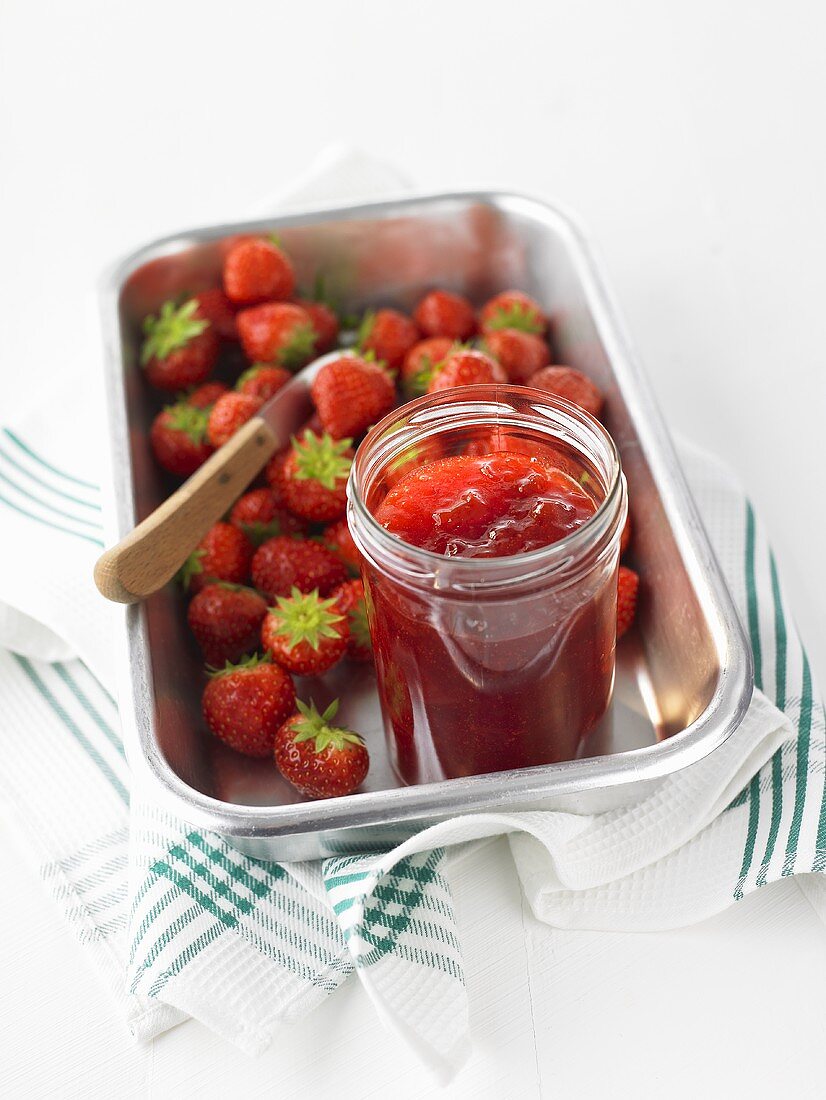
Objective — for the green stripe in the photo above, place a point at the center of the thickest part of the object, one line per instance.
(241, 905)
(73, 728)
(49, 507)
(751, 834)
(239, 873)
(345, 880)
(751, 598)
(819, 863)
(87, 705)
(186, 956)
(804, 732)
(780, 647)
(166, 937)
(754, 637)
(161, 867)
(780, 639)
(777, 812)
(44, 484)
(47, 465)
(47, 523)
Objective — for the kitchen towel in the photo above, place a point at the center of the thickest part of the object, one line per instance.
(182, 924)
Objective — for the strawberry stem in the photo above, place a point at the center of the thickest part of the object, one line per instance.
(313, 726)
(172, 329)
(305, 617)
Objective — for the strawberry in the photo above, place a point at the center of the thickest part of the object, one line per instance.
(625, 537)
(513, 309)
(274, 476)
(570, 383)
(338, 538)
(315, 477)
(388, 334)
(277, 332)
(441, 313)
(259, 516)
(304, 633)
(320, 760)
(323, 320)
(421, 361)
(223, 554)
(226, 621)
(179, 348)
(350, 601)
(262, 380)
(520, 354)
(245, 705)
(350, 394)
(628, 583)
(215, 307)
(178, 438)
(230, 412)
(204, 397)
(284, 563)
(257, 270)
(466, 368)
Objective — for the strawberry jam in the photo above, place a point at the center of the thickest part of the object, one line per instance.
(490, 582)
(486, 506)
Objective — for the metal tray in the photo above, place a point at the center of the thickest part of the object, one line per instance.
(684, 674)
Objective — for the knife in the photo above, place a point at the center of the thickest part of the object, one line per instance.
(150, 556)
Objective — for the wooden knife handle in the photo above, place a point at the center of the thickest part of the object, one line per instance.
(151, 555)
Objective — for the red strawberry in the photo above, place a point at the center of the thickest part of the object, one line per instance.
(570, 383)
(520, 354)
(204, 397)
(226, 621)
(324, 321)
(421, 361)
(274, 476)
(350, 394)
(262, 380)
(223, 554)
(441, 313)
(256, 270)
(466, 368)
(304, 633)
(388, 334)
(337, 536)
(320, 760)
(259, 516)
(179, 348)
(219, 311)
(315, 477)
(350, 601)
(284, 563)
(230, 412)
(178, 438)
(513, 309)
(625, 537)
(277, 332)
(628, 584)
(245, 705)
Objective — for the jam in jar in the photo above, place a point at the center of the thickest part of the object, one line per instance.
(489, 521)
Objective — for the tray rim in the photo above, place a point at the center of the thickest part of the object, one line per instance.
(732, 693)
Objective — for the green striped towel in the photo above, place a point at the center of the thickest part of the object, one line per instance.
(181, 924)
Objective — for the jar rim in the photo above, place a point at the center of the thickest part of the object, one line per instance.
(532, 561)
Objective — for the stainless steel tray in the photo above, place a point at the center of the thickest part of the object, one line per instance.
(684, 674)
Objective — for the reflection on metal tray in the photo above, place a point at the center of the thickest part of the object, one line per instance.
(684, 675)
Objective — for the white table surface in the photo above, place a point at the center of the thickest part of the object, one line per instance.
(689, 138)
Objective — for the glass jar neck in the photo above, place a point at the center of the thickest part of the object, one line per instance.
(437, 424)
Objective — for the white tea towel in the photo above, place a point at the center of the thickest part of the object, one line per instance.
(194, 928)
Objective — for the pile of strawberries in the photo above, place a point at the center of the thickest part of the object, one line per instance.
(274, 588)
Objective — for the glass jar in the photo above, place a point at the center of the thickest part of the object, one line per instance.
(490, 663)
